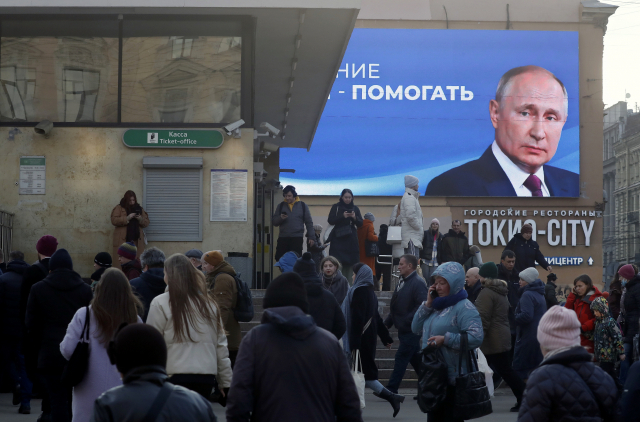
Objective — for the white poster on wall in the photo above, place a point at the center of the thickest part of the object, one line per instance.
(229, 195)
(32, 175)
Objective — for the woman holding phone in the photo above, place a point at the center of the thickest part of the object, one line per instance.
(129, 219)
(346, 218)
(440, 319)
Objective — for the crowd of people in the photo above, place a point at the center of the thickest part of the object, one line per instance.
(164, 341)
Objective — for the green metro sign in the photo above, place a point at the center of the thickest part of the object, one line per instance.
(174, 138)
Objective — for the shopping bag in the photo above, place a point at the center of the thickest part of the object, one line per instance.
(358, 376)
(483, 366)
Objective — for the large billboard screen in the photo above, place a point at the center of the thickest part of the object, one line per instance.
(468, 112)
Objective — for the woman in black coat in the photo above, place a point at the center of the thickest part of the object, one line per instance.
(346, 218)
(527, 250)
(364, 325)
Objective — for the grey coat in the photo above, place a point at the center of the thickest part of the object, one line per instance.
(298, 217)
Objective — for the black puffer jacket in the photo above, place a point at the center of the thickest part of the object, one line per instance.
(149, 285)
(632, 309)
(454, 247)
(52, 304)
(558, 390)
(131, 402)
(10, 282)
(427, 244)
(527, 253)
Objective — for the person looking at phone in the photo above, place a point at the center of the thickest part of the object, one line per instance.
(129, 219)
(292, 216)
(343, 239)
(440, 319)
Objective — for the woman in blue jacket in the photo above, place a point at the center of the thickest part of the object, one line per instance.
(440, 320)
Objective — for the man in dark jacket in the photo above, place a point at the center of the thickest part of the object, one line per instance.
(508, 273)
(472, 283)
(527, 250)
(429, 253)
(410, 292)
(151, 282)
(289, 369)
(567, 386)
(11, 329)
(454, 245)
(45, 247)
(292, 216)
(531, 307)
(550, 291)
(323, 306)
(140, 355)
(52, 304)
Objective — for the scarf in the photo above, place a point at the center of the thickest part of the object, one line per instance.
(346, 207)
(441, 303)
(363, 278)
(133, 226)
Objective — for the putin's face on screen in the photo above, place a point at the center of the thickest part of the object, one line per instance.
(528, 118)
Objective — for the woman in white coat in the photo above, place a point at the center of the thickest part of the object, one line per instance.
(411, 218)
(190, 322)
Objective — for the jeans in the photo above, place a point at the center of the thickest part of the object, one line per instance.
(287, 244)
(626, 363)
(374, 385)
(59, 394)
(13, 360)
(500, 363)
(347, 272)
(408, 351)
(411, 249)
(427, 272)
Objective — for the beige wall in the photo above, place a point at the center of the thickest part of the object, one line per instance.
(88, 171)
(446, 209)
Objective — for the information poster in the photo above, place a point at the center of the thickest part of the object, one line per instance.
(32, 175)
(229, 195)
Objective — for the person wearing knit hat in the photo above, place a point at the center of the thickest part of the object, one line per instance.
(286, 344)
(140, 354)
(101, 262)
(527, 250)
(46, 246)
(128, 262)
(429, 252)
(566, 376)
(531, 307)
(60, 259)
(627, 272)
(369, 216)
(412, 230)
(367, 237)
(286, 290)
(488, 270)
(213, 258)
(323, 306)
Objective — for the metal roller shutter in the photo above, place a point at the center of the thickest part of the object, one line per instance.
(173, 200)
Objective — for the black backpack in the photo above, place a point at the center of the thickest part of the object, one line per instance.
(243, 312)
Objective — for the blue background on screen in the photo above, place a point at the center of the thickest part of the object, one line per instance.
(368, 145)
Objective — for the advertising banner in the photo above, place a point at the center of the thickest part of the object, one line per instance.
(468, 112)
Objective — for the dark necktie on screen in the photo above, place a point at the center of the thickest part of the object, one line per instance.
(534, 184)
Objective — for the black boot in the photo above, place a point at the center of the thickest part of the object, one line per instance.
(393, 399)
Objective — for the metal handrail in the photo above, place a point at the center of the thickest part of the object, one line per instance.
(395, 273)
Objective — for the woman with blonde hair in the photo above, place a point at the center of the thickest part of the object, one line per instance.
(113, 303)
(189, 319)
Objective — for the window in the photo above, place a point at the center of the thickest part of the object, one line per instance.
(173, 198)
(142, 69)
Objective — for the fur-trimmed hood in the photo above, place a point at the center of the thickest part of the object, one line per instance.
(497, 285)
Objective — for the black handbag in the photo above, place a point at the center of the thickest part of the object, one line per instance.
(433, 380)
(342, 231)
(472, 398)
(371, 248)
(78, 364)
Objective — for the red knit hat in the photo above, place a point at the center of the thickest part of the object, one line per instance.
(627, 272)
(47, 245)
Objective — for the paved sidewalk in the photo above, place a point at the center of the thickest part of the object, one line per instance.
(376, 410)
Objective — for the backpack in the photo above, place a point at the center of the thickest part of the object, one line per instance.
(243, 312)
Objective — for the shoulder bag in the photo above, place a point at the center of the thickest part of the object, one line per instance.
(358, 376)
(341, 231)
(371, 248)
(433, 380)
(471, 398)
(78, 364)
(159, 402)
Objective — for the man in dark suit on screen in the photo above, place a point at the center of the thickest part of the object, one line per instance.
(528, 114)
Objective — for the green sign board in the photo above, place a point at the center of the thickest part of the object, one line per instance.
(173, 138)
(32, 161)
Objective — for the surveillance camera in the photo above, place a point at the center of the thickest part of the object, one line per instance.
(269, 147)
(44, 128)
(233, 128)
(272, 130)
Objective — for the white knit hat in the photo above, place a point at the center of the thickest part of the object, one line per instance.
(410, 181)
(559, 327)
(529, 275)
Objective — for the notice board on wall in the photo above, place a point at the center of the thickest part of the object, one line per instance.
(32, 175)
(229, 195)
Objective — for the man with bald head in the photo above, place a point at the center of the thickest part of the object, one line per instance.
(528, 113)
(472, 283)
